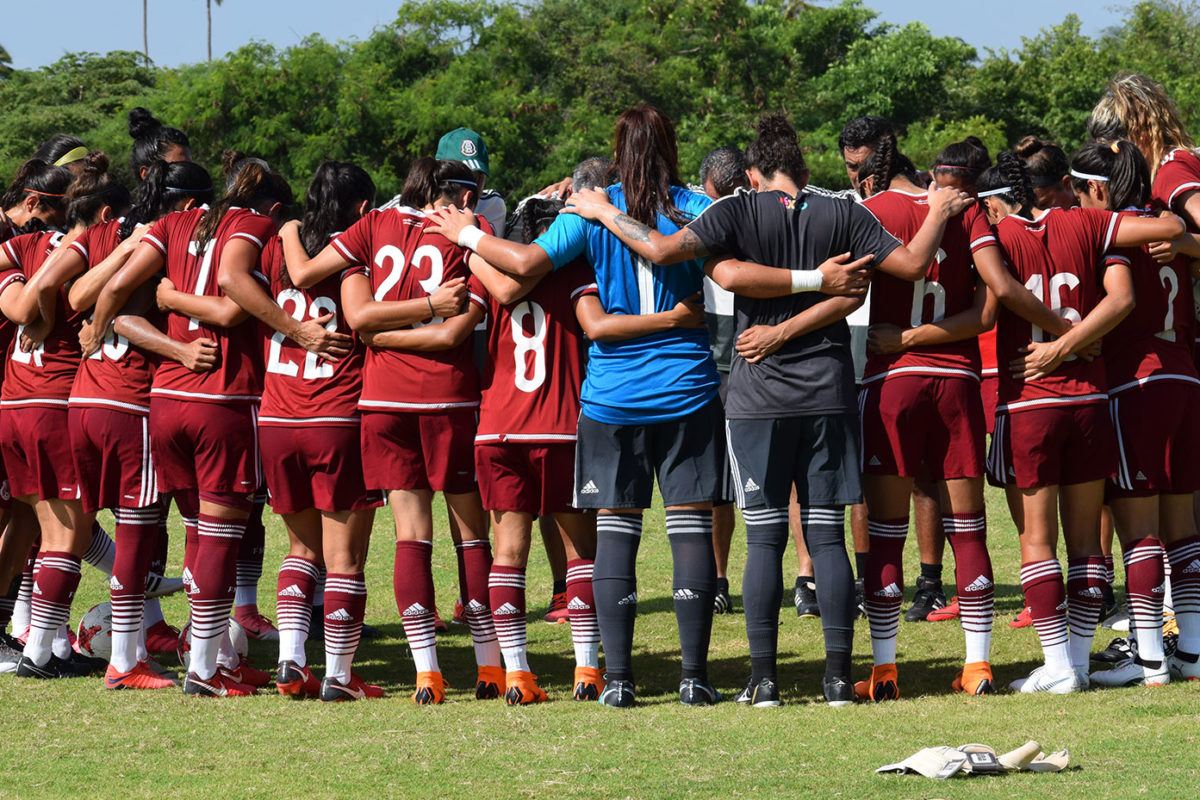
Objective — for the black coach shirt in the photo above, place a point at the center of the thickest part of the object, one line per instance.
(813, 373)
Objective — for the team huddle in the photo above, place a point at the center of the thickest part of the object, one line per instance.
(194, 343)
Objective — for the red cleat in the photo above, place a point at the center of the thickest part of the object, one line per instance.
(246, 673)
(558, 609)
(439, 624)
(140, 677)
(219, 685)
(162, 638)
(1022, 620)
(356, 688)
(460, 614)
(256, 625)
(946, 612)
(296, 681)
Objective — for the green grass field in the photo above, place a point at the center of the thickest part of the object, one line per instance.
(74, 739)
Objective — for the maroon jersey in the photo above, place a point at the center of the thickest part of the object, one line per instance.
(117, 375)
(1152, 342)
(300, 389)
(1059, 257)
(235, 378)
(402, 261)
(535, 361)
(948, 288)
(44, 376)
(1178, 174)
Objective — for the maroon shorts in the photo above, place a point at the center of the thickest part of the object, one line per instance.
(35, 443)
(318, 466)
(1055, 446)
(206, 446)
(989, 391)
(534, 478)
(420, 451)
(1158, 439)
(910, 420)
(112, 458)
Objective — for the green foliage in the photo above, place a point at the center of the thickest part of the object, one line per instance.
(544, 80)
(5, 63)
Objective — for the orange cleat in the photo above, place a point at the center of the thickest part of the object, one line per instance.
(946, 612)
(431, 689)
(884, 684)
(460, 613)
(219, 685)
(140, 677)
(1022, 620)
(490, 683)
(975, 678)
(523, 689)
(589, 683)
(557, 613)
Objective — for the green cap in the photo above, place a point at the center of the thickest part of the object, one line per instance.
(465, 145)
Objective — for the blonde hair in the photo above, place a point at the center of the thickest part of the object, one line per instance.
(1134, 107)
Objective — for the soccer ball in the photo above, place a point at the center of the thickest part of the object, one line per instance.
(237, 636)
(94, 636)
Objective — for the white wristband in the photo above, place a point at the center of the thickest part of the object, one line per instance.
(806, 280)
(469, 237)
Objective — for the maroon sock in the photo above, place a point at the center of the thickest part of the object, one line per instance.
(136, 536)
(967, 534)
(1145, 584)
(1085, 593)
(345, 607)
(188, 503)
(506, 589)
(884, 581)
(581, 605)
(213, 578)
(1185, 591)
(250, 557)
(1045, 594)
(54, 585)
(158, 562)
(294, 593)
(474, 566)
(412, 582)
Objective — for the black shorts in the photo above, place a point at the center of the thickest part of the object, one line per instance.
(615, 465)
(818, 454)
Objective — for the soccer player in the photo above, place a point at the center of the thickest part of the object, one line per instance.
(309, 432)
(1054, 442)
(1151, 377)
(418, 439)
(202, 426)
(922, 414)
(35, 199)
(791, 408)
(153, 141)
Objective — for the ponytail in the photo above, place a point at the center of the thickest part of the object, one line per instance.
(431, 179)
(965, 160)
(45, 181)
(1121, 164)
(151, 139)
(165, 185)
(775, 149)
(884, 163)
(253, 184)
(332, 202)
(94, 189)
(1008, 175)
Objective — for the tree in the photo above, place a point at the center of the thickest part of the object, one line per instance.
(5, 63)
(146, 31)
(208, 13)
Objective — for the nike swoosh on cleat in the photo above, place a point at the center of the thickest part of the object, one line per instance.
(357, 694)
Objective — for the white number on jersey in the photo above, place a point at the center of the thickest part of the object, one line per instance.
(535, 344)
(392, 259)
(201, 277)
(33, 357)
(300, 311)
(1170, 282)
(923, 288)
(1058, 282)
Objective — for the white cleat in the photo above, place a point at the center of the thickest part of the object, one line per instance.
(1132, 672)
(158, 586)
(1183, 670)
(1043, 680)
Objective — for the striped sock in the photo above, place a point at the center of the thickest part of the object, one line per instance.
(506, 586)
(54, 585)
(211, 594)
(1045, 594)
(345, 606)
(581, 611)
(101, 551)
(884, 585)
(1145, 585)
(474, 564)
(973, 573)
(694, 584)
(1085, 590)
(1185, 591)
(614, 585)
(412, 583)
(293, 606)
(137, 535)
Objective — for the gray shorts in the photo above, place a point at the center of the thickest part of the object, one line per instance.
(817, 454)
(615, 465)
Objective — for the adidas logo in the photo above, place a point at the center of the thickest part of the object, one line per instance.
(875, 462)
(589, 488)
(506, 609)
(629, 600)
(114, 585)
(751, 486)
(1192, 567)
(1092, 591)
(36, 589)
(415, 610)
(341, 615)
(292, 591)
(1141, 476)
(686, 594)
(476, 606)
(186, 577)
(1160, 589)
(979, 584)
(577, 604)
(891, 590)
(1063, 606)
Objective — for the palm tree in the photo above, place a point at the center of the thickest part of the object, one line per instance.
(145, 33)
(5, 63)
(208, 11)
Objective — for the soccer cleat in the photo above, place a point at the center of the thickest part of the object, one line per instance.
(618, 694)
(1043, 679)
(523, 689)
(140, 677)
(257, 626)
(557, 613)
(1184, 666)
(489, 683)
(1116, 620)
(764, 694)
(334, 691)
(948, 611)
(805, 598)
(219, 685)
(589, 683)
(247, 673)
(929, 598)
(296, 681)
(1132, 672)
(1108, 606)
(1170, 625)
(162, 671)
(158, 586)
(860, 598)
(975, 678)
(431, 689)
(722, 601)
(839, 692)
(884, 684)
(439, 624)
(697, 692)
(54, 668)
(1118, 650)
(10, 653)
(162, 638)
(460, 613)
(1022, 620)
(368, 632)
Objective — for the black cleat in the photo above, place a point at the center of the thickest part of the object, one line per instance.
(839, 691)
(1118, 650)
(805, 595)
(722, 602)
(764, 694)
(697, 692)
(618, 694)
(929, 597)
(54, 668)
(860, 598)
(10, 652)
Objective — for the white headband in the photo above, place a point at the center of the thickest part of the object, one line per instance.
(1083, 176)
(990, 192)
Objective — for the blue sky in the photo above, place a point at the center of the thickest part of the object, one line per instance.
(35, 37)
